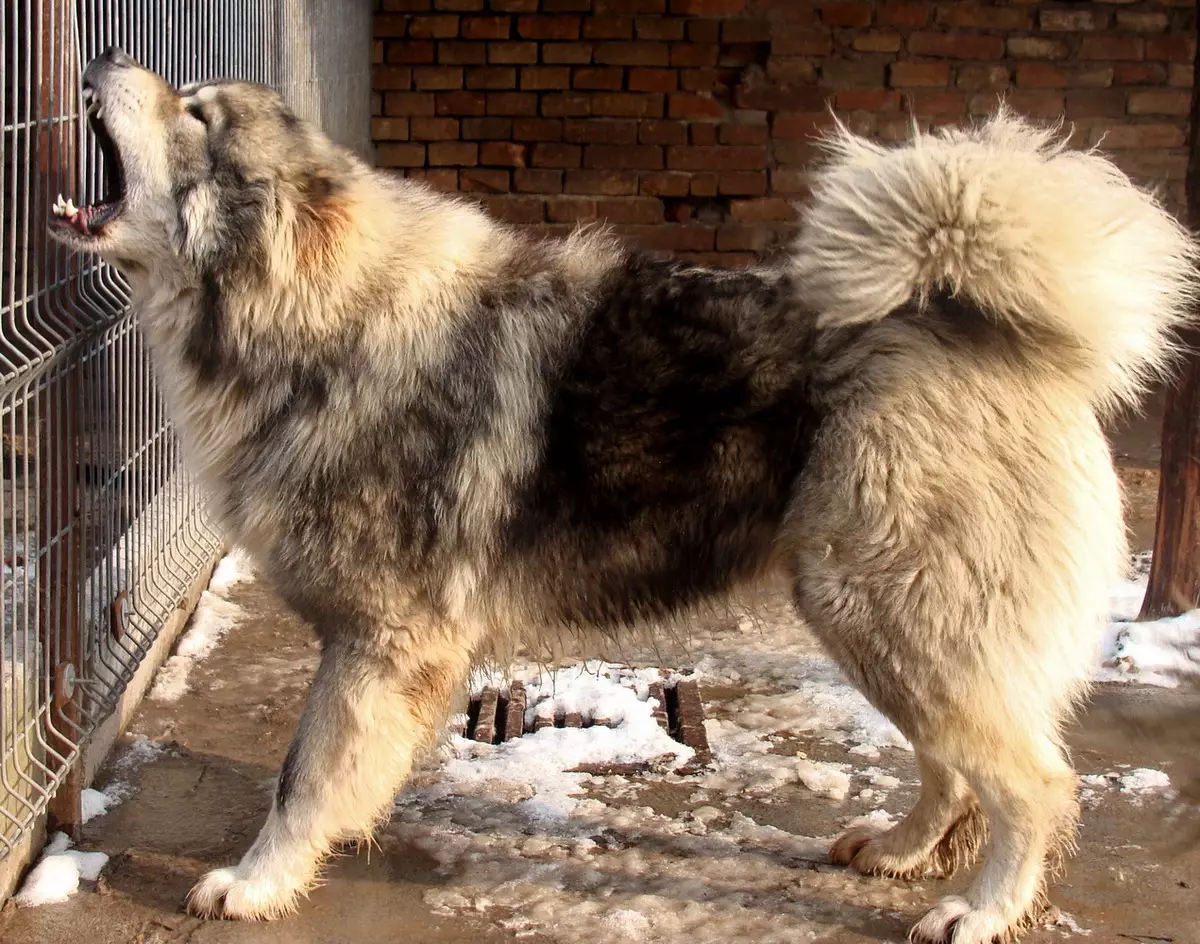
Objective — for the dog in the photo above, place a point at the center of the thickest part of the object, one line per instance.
(431, 431)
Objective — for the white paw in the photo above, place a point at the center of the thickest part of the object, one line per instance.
(954, 921)
(233, 893)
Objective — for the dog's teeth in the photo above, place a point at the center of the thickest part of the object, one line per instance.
(71, 208)
(99, 111)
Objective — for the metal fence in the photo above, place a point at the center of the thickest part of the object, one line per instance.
(103, 531)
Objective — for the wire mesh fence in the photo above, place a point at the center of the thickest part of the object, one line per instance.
(103, 530)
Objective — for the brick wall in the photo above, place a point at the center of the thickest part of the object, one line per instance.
(687, 124)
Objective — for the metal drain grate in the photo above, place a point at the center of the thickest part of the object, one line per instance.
(496, 715)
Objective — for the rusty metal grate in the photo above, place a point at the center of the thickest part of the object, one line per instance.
(498, 714)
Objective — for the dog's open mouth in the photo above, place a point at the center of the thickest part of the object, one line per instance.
(89, 221)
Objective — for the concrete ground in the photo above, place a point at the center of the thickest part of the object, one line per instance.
(200, 803)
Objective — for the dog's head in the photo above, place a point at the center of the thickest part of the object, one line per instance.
(196, 177)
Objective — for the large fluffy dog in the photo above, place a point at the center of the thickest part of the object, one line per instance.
(430, 430)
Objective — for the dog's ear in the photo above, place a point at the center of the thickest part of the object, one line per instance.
(224, 225)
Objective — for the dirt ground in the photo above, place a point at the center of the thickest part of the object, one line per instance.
(199, 805)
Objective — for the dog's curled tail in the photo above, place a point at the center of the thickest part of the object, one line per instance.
(1057, 243)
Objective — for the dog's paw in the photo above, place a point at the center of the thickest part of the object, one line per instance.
(953, 920)
(870, 853)
(231, 893)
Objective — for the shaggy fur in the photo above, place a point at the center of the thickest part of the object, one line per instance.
(432, 433)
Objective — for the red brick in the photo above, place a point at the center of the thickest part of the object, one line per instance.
(868, 100)
(1139, 73)
(939, 104)
(1038, 75)
(689, 106)
(387, 27)
(483, 180)
(1036, 47)
(1160, 102)
(376, 51)
(800, 126)
(768, 97)
(798, 41)
(1036, 103)
(845, 13)
(707, 7)
(455, 53)
(662, 132)
(485, 27)
(537, 180)
(904, 14)
(607, 182)
(762, 210)
(389, 129)
(566, 6)
(566, 53)
(744, 133)
(461, 103)
(512, 53)
(513, 6)
(503, 154)
(439, 178)
(1096, 103)
(1179, 75)
(486, 129)
(433, 27)
(653, 80)
(594, 78)
(434, 129)
(461, 6)
(680, 237)
(789, 180)
(553, 154)
(491, 77)
(1170, 48)
(516, 209)
(694, 55)
(791, 71)
(976, 77)
(400, 155)
(1071, 21)
(406, 6)
(976, 16)
(703, 31)
(633, 156)
(659, 28)
(1123, 137)
(548, 27)
(545, 78)
(407, 103)
(846, 73)
(631, 54)
(512, 104)
(388, 78)
(376, 103)
(628, 104)
(666, 183)
(742, 183)
(409, 52)
(877, 42)
(705, 134)
(537, 129)
(570, 210)
(918, 74)
(1112, 47)
(566, 105)
(601, 131)
(956, 46)
(437, 78)
(1141, 22)
(703, 184)
(453, 154)
(630, 209)
(716, 158)
(1153, 165)
(608, 27)
(757, 238)
(805, 150)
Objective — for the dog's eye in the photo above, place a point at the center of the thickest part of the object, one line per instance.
(198, 113)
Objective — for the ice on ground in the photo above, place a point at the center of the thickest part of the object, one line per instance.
(1144, 780)
(58, 872)
(214, 616)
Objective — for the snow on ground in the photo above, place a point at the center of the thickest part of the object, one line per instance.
(58, 872)
(1154, 652)
(214, 616)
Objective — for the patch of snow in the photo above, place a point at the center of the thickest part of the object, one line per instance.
(879, 820)
(1144, 780)
(213, 618)
(1155, 652)
(96, 803)
(58, 872)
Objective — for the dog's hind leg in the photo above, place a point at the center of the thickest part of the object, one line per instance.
(942, 832)
(372, 707)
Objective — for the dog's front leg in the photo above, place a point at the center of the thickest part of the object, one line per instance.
(371, 708)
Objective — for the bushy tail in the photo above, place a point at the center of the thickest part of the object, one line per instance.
(1008, 218)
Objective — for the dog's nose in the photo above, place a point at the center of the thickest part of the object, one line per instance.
(117, 56)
